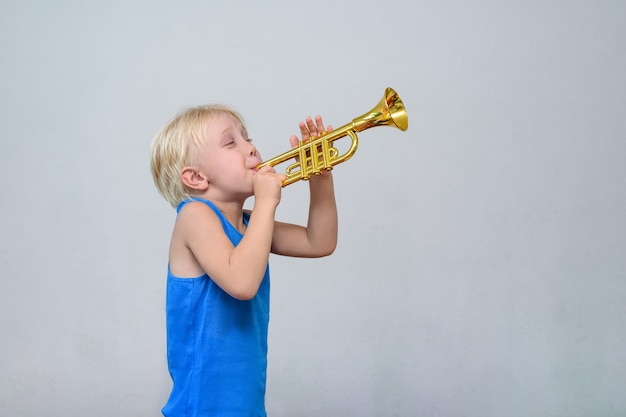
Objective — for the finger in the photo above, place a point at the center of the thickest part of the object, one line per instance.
(304, 131)
(294, 141)
(329, 128)
(311, 126)
(266, 169)
(320, 124)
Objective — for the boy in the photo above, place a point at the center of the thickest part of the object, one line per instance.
(217, 309)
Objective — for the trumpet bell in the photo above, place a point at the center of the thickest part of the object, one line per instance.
(389, 111)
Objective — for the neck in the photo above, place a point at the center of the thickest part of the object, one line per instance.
(231, 206)
(232, 210)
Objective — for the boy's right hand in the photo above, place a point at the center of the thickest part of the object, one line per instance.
(268, 185)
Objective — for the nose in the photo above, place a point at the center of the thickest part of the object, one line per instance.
(252, 151)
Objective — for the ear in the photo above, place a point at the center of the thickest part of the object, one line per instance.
(193, 179)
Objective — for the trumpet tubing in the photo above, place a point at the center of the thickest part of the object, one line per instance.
(319, 154)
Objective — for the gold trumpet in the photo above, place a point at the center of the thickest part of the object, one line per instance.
(318, 153)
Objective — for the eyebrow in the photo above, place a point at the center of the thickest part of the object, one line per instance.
(226, 130)
(242, 131)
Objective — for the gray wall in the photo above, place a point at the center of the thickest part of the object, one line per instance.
(482, 254)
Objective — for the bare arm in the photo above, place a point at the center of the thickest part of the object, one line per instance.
(319, 237)
(199, 244)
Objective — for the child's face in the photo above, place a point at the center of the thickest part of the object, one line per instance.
(228, 159)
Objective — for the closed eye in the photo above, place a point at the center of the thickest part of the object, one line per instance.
(229, 142)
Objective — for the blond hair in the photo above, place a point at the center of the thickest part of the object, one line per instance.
(174, 148)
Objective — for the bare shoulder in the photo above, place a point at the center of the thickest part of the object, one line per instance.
(196, 211)
(195, 220)
(197, 227)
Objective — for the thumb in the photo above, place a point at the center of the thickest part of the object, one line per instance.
(266, 168)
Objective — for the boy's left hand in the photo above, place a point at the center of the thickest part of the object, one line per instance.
(310, 129)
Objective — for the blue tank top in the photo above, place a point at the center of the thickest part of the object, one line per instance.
(216, 344)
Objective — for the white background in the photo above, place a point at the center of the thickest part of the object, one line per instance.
(482, 254)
